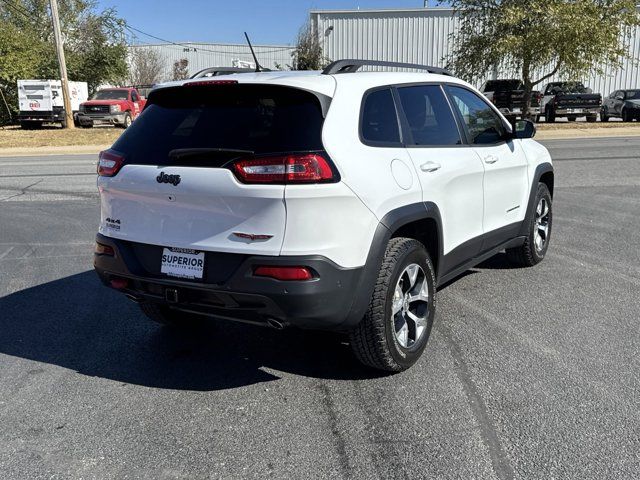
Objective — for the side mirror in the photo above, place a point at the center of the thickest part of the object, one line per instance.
(523, 129)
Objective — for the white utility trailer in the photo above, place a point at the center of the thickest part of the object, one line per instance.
(41, 101)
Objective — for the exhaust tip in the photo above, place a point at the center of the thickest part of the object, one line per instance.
(273, 323)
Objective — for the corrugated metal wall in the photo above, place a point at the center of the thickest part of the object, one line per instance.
(204, 55)
(423, 36)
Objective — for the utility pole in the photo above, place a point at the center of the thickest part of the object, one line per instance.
(63, 64)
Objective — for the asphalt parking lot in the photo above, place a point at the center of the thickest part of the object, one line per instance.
(530, 373)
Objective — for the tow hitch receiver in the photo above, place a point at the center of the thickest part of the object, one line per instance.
(171, 295)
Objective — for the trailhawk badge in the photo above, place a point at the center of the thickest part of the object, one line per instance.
(164, 178)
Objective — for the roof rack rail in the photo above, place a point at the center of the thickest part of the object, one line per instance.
(352, 66)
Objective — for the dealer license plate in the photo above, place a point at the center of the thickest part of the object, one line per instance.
(574, 110)
(182, 263)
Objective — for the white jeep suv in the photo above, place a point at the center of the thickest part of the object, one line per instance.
(323, 200)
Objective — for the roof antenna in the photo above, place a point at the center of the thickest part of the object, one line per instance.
(258, 66)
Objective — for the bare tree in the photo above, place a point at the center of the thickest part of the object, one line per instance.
(146, 67)
(181, 69)
(308, 54)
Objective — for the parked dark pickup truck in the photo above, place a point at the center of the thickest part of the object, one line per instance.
(570, 100)
(508, 97)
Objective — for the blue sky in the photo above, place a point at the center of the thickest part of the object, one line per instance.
(266, 21)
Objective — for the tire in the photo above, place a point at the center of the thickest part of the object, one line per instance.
(571, 119)
(379, 341)
(30, 125)
(592, 118)
(603, 115)
(63, 123)
(126, 123)
(165, 316)
(532, 252)
(550, 116)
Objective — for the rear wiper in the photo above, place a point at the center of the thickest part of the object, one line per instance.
(183, 153)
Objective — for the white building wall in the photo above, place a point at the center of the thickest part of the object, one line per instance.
(204, 55)
(422, 35)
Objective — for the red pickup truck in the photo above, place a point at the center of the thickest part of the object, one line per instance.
(111, 106)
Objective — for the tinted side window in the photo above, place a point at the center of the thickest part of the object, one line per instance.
(379, 118)
(429, 116)
(134, 97)
(483, 124)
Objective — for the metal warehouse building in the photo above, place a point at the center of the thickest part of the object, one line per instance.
(204, 55)
(422, 35)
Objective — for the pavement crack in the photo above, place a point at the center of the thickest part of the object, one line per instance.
(499, 460)
(23, 191)
(340, 443)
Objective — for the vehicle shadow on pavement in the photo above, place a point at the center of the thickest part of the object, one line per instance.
(77, 323)
(497, 262)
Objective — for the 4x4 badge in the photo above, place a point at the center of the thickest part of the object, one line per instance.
(164, 178)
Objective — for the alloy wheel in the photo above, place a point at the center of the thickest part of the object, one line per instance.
(541, 226)
(410, 305)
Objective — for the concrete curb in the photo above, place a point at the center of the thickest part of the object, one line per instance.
(37, 151)
(602, 132)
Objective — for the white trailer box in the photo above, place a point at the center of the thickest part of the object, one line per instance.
(41, 101)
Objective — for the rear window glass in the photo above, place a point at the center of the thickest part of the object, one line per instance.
(261, 119)
(502, 85)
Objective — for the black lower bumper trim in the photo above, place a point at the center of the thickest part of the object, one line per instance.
(322, 303)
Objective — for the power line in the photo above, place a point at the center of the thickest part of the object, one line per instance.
(15, 8)
(133, 29)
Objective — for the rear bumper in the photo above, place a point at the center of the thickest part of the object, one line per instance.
(230, 290)
(516, 111)
(43, 116)
(101, 119)
(577, 111)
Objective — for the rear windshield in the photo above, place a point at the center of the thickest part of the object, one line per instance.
(261, 119)
(567, 87)
(111, 95)
(502, 85)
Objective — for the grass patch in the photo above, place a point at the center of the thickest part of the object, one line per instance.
(15, 137)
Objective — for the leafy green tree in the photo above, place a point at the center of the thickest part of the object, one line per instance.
(540, 38)
(181, 69)
(308, 54)
(94, 44)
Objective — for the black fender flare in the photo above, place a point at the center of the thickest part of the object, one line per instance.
(389, 224)
(537, 175)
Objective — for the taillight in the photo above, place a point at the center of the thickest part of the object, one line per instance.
(119, 283)
(293, 168)
(206, 83)
(102, 249)
(109, 163)
(284, 273)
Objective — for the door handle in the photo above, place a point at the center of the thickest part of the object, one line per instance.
(430, 167)
(490, 159)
